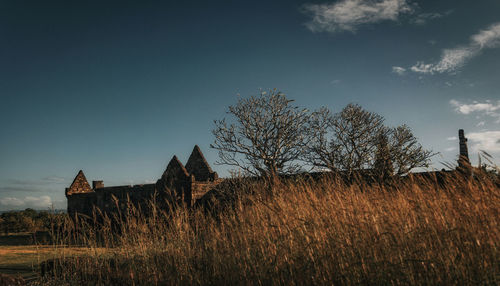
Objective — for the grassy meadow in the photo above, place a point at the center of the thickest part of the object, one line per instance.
(322, 232)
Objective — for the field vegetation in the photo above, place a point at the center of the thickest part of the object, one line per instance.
(408, 231)
(25, 242)
(26, 221)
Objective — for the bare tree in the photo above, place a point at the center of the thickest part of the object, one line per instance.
(406, 152)
(346, 140)
(320, 152)
(356, 139)
(383, 166)
(267, 136)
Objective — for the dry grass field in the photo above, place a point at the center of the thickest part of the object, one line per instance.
(325, 232)
(25, 260)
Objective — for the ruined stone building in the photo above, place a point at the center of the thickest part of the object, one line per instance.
(178, 183)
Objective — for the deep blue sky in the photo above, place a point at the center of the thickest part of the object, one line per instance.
(116, 88)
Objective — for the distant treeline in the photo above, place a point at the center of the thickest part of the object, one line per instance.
(28, 220)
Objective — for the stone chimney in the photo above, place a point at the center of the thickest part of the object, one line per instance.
(463, 160)
(97, 184)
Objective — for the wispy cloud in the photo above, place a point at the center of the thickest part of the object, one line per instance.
(349, 15)
(486, 108)
(31, 185)
(27, 202)
(19, 189)
(453, 138)
(450, 149)
(54, 179)
(488, 141)
(423, 18)
(399, 70)
(36, 182)
(453, 59)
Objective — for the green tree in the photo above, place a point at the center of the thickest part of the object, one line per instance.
(29, 212)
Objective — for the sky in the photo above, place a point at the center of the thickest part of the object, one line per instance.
(116, 88)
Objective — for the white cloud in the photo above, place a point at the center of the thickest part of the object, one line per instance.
(488, 141)
(487, 108)
(489, 38)
(453, 138)
(453, 59)
(349, 15)
(41, 202)
(480, 124)
(13, 202)
(399, 70)
(450, 149)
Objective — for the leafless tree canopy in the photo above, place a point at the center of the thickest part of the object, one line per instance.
(321, 152)
(356, 139)
(383, 166)
(267, 136)
(406, 152)
(346, 140)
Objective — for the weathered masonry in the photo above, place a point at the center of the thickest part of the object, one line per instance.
(178, 184)
(463, 159)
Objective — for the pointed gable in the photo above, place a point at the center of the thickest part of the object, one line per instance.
(79, 185)
(198, 166)
(175, 169)
(175, 181)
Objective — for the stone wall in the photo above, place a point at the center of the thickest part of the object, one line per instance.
(177, 184)
(81, 203)
(113, 198)
(199, 189)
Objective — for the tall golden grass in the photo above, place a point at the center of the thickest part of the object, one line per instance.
(303, 232)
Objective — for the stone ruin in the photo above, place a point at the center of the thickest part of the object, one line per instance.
(178, 184)
(463, 157)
